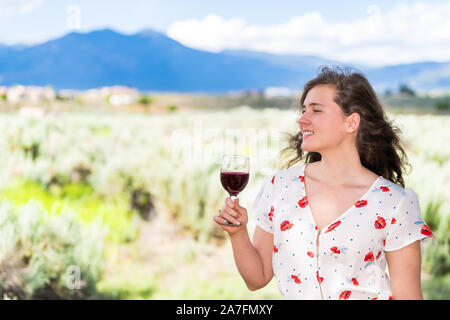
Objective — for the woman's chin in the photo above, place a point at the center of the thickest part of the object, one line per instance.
(306, 147)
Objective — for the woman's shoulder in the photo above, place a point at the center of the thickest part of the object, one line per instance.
(398, 192)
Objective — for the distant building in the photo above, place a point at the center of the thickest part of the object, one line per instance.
(16, 94)
(115, 95)
(39, 94)
(254, 93)
(272, 92)
(92, 95)
(119, 95)
(68, 94)
(31, 94)
(438, 92)
(3, 90)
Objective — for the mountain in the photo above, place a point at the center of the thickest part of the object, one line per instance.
(151, 61)
(422, 75)
(147, 60)
(294, 62)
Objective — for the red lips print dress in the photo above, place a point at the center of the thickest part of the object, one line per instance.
(345, 259)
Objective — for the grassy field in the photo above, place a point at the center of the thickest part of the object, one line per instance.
(152, 179)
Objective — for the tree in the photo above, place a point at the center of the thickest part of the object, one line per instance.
(404, 89)
(145, 101)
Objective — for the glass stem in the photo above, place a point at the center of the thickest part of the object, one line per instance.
(233, 198)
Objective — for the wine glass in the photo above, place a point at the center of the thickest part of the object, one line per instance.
(234, 174)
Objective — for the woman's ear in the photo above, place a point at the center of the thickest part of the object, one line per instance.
(352, 122)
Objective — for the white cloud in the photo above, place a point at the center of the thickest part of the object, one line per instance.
(8, 7)
(406, 33)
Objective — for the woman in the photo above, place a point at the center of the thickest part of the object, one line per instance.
(326, 228)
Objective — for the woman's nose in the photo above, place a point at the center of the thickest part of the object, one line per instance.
(303, 118)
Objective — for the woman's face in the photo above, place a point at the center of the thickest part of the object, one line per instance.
(324, 118)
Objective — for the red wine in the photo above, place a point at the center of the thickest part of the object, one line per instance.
(234, 182)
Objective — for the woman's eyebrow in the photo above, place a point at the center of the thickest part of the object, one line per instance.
(314, 104)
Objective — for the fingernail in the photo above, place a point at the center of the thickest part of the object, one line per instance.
(237, 224)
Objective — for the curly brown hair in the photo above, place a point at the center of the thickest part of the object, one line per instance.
(378, 140)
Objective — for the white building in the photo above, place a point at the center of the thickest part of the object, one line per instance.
(32, 94)
(272, 92)
(38, 94)
(3, 90)
(115, 95)
(120, 95)
(16, 94)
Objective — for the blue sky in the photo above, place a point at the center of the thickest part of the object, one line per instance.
(389, 31)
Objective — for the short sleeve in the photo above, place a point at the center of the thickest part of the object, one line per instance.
(406, 224)
(261, 205)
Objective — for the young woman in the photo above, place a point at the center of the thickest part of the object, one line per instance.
(326, 228)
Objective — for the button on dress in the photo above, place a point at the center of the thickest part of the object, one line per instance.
(348, 260)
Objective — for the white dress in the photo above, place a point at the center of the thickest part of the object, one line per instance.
(349, 261)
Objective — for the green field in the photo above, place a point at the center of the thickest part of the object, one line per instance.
(151, 181)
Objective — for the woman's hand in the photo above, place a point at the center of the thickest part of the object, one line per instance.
(232, 218)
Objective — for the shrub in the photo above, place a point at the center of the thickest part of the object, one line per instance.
(436, 257)
(172, 108)
(443, 105)
(44, 256)
(145, 100)
(114, 213)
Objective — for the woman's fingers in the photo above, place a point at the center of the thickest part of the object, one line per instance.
(229, 217)
(224, 222)
(229, 202)
(220, 220)
(233, 208)
(230, 211)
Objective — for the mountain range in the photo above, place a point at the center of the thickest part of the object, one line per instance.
(151, 61)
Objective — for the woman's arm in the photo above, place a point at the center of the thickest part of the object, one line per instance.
(253, 260)
(404, 270)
